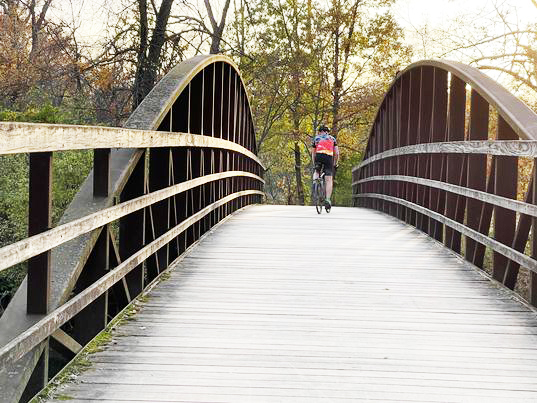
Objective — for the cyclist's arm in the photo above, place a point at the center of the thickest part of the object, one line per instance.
(336, 155)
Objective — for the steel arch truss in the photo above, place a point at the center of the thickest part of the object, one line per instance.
(438, 160)
(185, 160)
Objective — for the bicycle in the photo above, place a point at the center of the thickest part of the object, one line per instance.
(318, 193)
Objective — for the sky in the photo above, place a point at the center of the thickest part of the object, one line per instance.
(412, 15)
(447, 15)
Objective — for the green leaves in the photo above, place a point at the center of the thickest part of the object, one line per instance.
(70, 168)
(308, 62)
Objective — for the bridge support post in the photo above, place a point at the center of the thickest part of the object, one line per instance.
(477, 166)
(533, 276)
(404, 105)
(39, 220)
(455, 163)
(179, 163)
(424, 133)
(413, 217)
(438, 129)
(158, 219)
(101, 172)
(505, 185)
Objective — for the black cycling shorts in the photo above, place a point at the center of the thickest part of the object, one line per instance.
(324, 160)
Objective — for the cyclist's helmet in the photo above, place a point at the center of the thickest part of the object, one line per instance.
(323, 128)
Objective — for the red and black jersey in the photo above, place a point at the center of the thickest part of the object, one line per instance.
(324, 144)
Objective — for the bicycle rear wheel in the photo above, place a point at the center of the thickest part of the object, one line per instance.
(317, 196)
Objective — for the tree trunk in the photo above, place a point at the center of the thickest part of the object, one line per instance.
(298, 175)
(215, 43)
(37, 25)
(149, 56)
(337, 82)
(218, 29)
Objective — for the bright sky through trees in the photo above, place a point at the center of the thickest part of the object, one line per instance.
(424, 21)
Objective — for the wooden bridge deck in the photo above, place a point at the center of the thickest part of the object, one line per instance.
(279, 304)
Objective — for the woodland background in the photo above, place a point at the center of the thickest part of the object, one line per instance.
(303, 62)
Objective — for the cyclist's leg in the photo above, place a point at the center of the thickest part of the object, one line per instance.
(329, 186)
(328, 162)
(314, 183)
(317, 171)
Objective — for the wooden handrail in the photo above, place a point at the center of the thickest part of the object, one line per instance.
(16, 138)
(32, 246)
(22, 344)
(510, 148)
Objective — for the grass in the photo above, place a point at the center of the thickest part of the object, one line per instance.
(64, 397)
(82, 362)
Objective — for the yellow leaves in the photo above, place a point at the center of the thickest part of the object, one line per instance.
(525, 166)
(103, 77)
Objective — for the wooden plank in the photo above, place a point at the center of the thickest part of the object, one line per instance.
(257, 312)
(332, 390)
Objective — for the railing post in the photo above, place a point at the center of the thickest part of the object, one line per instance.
(383, 185)
(424, 133)
(404, 108)
(101, 172)
(39, 220)
(412, 160)
(158, 219)
(505, 185)
(533, 276)
(438, 128)
(477, 166)
(456, 115)
(132, 227)
(181, 172)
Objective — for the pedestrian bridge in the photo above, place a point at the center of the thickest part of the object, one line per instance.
(279, 304)
(195, 291)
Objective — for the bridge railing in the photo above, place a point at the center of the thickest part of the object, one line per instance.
(185, 161)
(443, 155)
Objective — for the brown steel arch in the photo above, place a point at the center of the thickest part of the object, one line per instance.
(432, 162)
(184, 161)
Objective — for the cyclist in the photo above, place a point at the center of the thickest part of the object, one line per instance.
(325, 152)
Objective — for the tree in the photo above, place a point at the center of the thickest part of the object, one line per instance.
(38, 21)
(494, 41)
(290, 66)
(218, 28)
(361, 43)
(149, 48)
